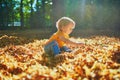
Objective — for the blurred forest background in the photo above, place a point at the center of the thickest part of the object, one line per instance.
(92, 17)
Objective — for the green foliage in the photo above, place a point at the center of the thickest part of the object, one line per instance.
(95, 14)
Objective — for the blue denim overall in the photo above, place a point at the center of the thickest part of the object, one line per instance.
(53, 48)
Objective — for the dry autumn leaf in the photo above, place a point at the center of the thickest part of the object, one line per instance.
(98, 59)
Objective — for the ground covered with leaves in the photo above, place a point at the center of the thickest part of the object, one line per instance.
(23, 59)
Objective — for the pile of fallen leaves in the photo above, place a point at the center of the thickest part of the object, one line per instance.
(13, 40)
(98, 59)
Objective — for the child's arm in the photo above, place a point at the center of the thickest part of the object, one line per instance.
(47, 42)
(70, 42)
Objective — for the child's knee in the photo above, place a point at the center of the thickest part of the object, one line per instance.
(65, 49)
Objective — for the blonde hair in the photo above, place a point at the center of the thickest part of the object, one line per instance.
(63, 22)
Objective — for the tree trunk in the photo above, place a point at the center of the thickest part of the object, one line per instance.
(31, 13)
(21, 14)
(4, 15)
(43, 13)
(31, 8)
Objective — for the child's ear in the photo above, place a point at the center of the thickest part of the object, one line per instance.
(61, 28)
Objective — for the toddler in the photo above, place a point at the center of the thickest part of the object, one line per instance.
(58, 41)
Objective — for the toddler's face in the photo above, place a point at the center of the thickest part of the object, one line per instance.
(68, 28)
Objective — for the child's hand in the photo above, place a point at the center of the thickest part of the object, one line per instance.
(80, 44)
